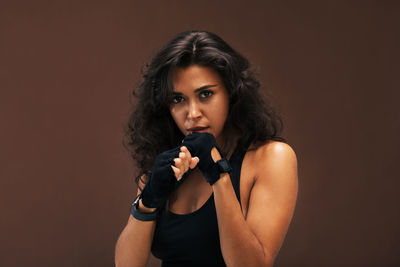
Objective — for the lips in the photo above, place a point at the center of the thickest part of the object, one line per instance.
(199, 129)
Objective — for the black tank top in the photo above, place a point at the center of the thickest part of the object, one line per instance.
(193, 239)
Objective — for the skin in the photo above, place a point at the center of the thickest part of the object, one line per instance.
(199, 99)
(249, 236)
(268, 178)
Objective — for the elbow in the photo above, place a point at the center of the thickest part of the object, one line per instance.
(257, 261)
(266, 262)
(263, 263)
(265, 259)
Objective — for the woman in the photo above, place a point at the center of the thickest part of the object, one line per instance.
(199, 106)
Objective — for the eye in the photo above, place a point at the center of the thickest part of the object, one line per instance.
(176, 99)
(206, 93)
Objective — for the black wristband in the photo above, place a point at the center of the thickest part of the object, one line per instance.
(142, 216)
(224, 166)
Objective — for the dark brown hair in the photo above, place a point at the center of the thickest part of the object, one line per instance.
(151, 129)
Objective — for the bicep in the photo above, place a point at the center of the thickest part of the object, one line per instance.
(273, 197)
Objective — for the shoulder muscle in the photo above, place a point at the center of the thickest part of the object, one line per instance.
(273, 196)
(275, 158)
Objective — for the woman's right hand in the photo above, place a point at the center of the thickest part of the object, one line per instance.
(164, 175)
(184, 162)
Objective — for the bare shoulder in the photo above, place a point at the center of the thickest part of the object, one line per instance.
(273, 196)
(274, 151)
(274, 159)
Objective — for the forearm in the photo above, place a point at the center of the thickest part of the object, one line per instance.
(240, 247)
(134, 243)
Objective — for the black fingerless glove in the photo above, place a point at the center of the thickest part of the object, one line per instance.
(162, 180)
(200, 145)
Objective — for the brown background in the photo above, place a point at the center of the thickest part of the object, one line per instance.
(66, 71)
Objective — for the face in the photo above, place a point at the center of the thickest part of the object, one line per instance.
(200, 101)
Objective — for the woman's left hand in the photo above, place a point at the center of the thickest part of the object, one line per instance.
(204, 146)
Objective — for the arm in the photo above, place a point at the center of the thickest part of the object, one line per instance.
(134, 243)
(255, 240)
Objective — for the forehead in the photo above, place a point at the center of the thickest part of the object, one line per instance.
(193, 77)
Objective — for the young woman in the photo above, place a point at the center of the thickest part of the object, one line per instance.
(217, 186)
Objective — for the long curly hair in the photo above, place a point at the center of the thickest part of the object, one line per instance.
(151, 128)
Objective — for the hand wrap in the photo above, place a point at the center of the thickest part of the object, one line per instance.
(162, 180)
(200, 145)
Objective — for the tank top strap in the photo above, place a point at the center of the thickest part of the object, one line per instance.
(236, 163)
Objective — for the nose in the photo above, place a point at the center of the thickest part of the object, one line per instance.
(194, 111)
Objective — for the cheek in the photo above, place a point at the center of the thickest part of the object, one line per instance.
(177, 116)
(224, 115)
(224, 106)
(221, 112)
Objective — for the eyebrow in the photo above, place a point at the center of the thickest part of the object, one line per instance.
(200, 88)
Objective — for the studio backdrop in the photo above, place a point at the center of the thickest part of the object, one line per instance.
(67, 69)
